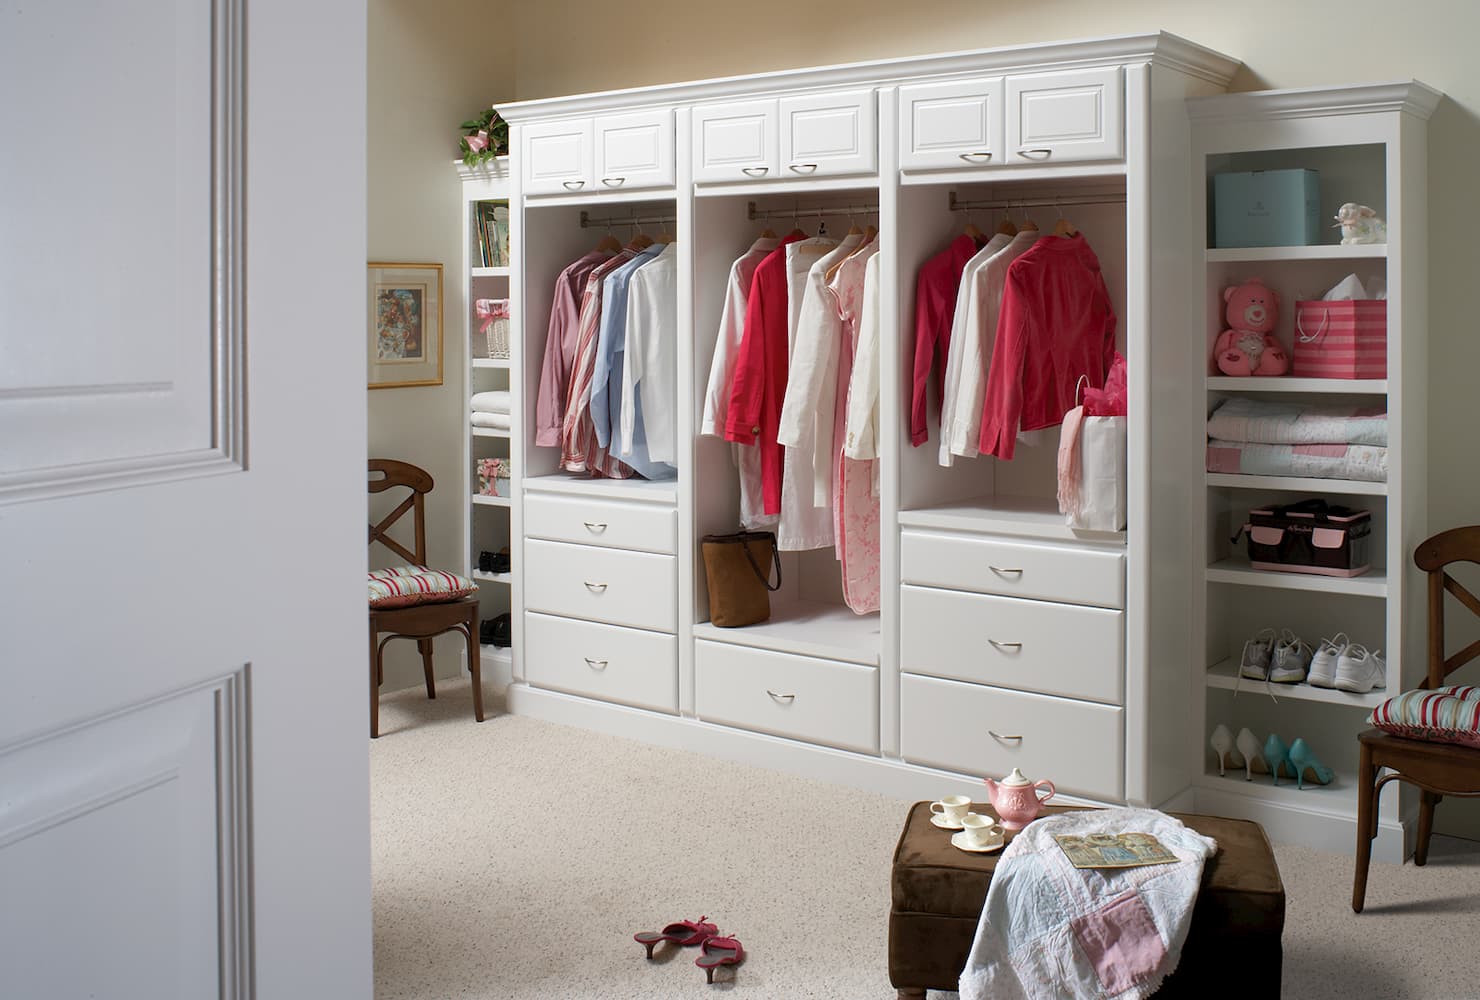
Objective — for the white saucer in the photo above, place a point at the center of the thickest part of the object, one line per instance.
(961, 842)
(939, 819)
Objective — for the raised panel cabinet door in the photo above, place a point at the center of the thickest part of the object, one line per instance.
(558, 157)
(1076, 115)
(829, 134)
(634, 150)
(956, 124)
(736, 142)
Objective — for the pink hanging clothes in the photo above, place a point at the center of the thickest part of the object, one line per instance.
(936, 287)
(560, 349)
(855, 501)
(579, 450)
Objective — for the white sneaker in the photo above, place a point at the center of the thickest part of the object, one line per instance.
(1323, 664)
(1292, 656)
(1359, 671)
(1255, 662)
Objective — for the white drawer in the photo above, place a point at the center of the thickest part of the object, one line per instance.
(604, 585)
(615, 664)
(617, 525)
(1067, 573)
(1061, 649)
(820, 701)
(1058, 117)
(1075, 744)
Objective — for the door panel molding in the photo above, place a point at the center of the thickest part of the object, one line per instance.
(28, 475)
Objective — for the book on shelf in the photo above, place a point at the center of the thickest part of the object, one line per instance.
(491, 219)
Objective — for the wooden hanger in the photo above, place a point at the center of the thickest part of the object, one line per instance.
(1063, 227)
(769, 234)
(608, 244)
(1006, 227)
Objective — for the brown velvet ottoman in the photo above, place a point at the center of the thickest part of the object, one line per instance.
(1232, 948)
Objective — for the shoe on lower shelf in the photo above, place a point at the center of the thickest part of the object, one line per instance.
(1257, 652)
(1359, 671)
(1323, 663)
(1291, 660)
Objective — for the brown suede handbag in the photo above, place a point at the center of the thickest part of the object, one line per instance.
(737, 569)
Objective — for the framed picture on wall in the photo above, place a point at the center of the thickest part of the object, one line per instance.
(405, 336)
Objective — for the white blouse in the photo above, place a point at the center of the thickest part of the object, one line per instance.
(861, 438)
(651, 366)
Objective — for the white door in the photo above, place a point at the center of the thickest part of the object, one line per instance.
(635, 150)
(557, 157)
(183, 772)
(829, 134)
(1073, 115)
(953, 124)
(735, 141)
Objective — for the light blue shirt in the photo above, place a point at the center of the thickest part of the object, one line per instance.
(606, 381)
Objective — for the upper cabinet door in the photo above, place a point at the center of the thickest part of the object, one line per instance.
(634, 150)
(1076, 115)
(735, 142)
(823, 134)
(558, 157)
(955, 124)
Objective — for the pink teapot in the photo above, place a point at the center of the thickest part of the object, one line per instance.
(1016, 799)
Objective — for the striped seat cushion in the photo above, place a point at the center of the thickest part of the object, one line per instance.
(404, 586)
(1444, 715)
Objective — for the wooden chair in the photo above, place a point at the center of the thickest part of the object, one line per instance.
(1438, 769)
(421, 622)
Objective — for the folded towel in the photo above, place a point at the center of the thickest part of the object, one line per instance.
(499, 421)
(494, 401)
(1297, 423)
(1363, 463)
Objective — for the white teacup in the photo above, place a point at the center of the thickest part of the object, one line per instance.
(983, 831)
(953, 807)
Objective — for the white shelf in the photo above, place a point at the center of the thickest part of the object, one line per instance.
(1347, 386)
(1338, 797)
(807, 628)
(491, 363)
(1034, 517)
(1302, 484)
(484, 501)
(649, 490)
(1373, 583)
(1239, 255)
(490, 432)
(1224, 675)
(489, 272)
(483, 577)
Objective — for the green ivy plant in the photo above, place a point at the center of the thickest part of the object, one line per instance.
(486, 136)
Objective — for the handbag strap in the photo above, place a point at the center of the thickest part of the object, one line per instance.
(775, 558)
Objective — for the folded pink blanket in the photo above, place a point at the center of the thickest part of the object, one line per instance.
(1360, 462)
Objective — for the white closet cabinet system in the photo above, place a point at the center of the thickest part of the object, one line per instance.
(1368, 145)
(1004, 638)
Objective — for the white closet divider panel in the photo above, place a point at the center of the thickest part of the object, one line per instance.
(157, 238)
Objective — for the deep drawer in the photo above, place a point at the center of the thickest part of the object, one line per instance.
(820, 701)
(1078, 745)
(603, 661)
(611, 523)
(1061, 649)
(600, 584)
(987, 565)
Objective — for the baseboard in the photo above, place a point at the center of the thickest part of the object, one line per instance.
(1293, 824)
(883, 776)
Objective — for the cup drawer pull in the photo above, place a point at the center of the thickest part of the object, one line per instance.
(1035, 154)
(754, 171)
(803, 168)
(1003, 736)
(1006, 570)
(785, 699)
(595, 527)
(595, 588)
(1014, 646)
(595, 664)
(614, 181)
(573, 185)
(976, 157)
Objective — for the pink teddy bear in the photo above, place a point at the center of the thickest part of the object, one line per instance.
(1249, 347)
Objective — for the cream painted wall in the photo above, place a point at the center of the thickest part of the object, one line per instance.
(432, 64)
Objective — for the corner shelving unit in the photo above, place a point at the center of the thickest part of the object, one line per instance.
(1369, 145)
(487, 525)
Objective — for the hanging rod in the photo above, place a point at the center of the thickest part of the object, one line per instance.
(798, 212)
(626, 220)
(1067, 200)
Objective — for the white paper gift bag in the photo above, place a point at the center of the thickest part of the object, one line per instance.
(1102, 442)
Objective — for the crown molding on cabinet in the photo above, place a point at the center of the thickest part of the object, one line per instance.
(1162, 48)
(1409, 97)
(496, 169)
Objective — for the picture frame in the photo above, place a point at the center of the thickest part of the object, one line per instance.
(404, 339)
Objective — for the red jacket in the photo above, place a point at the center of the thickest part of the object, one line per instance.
(1055, 326)
(759, 383)
(935, 309)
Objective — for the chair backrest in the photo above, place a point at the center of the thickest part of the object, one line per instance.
(387, 474)
(1433, 556)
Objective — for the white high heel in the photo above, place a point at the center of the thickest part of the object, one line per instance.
(1222, 743)
(1252, 751)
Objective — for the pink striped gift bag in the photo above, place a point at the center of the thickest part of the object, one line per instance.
(1342, 338)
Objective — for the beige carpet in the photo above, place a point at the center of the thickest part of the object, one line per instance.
(516, 858)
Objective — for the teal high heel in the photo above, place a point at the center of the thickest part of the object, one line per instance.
(1302, 759)
(1275, 754)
